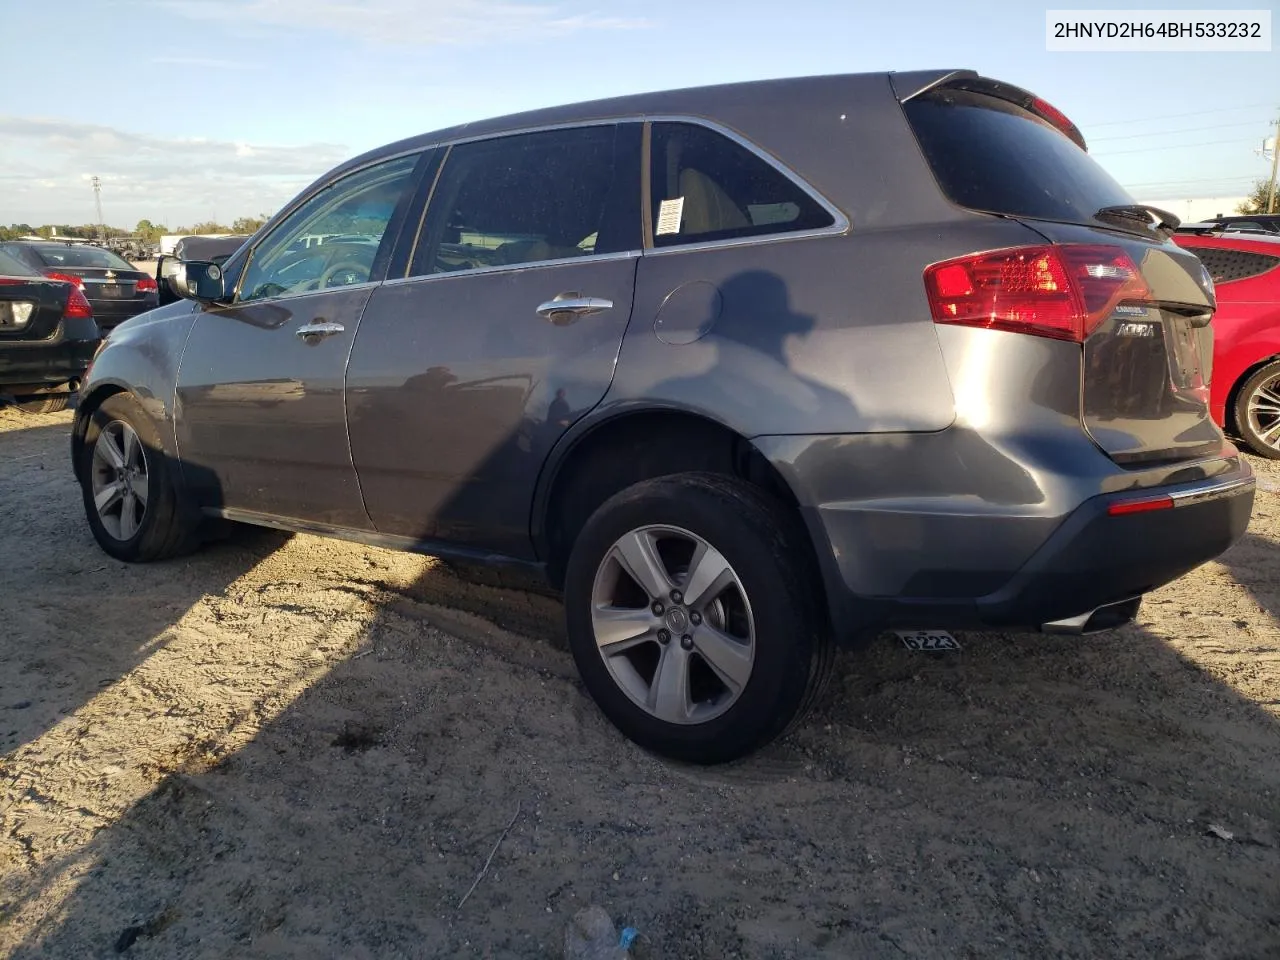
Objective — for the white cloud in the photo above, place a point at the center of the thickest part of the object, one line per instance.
(407, 22)
(46, 165)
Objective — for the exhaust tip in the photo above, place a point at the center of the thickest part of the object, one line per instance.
(1107, 617)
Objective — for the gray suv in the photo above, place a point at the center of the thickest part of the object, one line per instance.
(745, 371)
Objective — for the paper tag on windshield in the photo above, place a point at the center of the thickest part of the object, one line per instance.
(669, 214)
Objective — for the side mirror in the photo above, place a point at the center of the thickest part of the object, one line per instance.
(200, 280)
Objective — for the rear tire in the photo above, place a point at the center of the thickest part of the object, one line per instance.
(43, 403)
(757, 651)
(1257, 411)
(130, 497)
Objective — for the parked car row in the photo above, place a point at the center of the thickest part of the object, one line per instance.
(47, 336)
(745, 371)
(115, 288)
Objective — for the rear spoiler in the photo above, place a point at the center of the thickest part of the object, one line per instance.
(907, 86)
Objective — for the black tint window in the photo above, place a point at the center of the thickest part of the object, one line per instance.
(989, 154)
(535, 197)
(706, 187)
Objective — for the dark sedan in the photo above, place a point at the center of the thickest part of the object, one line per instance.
(113, 286)
(47, 337)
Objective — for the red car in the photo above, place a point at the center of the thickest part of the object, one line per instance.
(1245, 386)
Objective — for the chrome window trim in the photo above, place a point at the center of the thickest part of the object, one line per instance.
(746, 241)
(511, 267)
(245, 304)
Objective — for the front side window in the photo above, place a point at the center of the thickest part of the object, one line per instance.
(704, 187)
(534, 197)
(331, 240)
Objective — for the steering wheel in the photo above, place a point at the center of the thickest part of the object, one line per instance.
(358, 270)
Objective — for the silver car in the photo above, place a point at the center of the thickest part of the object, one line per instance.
(746, 371)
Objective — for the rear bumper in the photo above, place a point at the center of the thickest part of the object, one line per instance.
(1094, 559)
(1032, 550)
(50, 362)
(111, 313)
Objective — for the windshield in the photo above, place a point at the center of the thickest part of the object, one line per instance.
(992, 155)
(69, 256)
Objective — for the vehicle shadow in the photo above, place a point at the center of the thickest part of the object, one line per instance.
(1029, 796)
(1255, 564)
(54, 657)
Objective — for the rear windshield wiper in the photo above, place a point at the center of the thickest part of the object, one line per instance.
(1162, 221)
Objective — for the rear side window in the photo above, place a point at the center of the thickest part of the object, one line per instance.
(992, 155)
(705, 187)
(529, 198)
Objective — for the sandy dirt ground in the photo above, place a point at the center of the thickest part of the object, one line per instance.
(303, 748)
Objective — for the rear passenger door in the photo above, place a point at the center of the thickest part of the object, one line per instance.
(503, 331)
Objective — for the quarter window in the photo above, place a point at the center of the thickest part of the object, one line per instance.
(333, 238)
(554, 195)
(704, 187)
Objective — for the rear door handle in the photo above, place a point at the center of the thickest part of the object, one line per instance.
(317, 330)
(565, 308)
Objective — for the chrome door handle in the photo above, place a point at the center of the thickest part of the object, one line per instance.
(317, 330)
(565, 308)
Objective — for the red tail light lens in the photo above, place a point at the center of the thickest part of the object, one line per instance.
(77, 305)
(148, 285)
(1062, 292)
(1125, 507)
(65, 278)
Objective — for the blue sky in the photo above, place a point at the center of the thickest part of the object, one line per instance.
(190, 109)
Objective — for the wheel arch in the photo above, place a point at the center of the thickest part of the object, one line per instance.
(599, 458)
(86, 404)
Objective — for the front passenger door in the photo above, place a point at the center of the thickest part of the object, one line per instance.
(261, 417)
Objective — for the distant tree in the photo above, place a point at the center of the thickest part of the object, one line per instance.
(1257, 200)
(150, 232)
(249, 224)
(208, 226)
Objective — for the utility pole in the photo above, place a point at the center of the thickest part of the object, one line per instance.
(1275, 162)
(102, 230)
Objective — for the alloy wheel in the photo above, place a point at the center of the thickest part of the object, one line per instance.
(1264, 411)
(673, 624)
(119, 480)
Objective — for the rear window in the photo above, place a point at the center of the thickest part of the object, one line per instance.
(991, 155)
(70, 256)
(11, 266)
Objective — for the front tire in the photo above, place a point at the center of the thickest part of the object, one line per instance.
(130, 497)
(1257, 411)
(694, 617)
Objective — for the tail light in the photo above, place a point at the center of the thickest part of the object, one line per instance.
(77, 305)
(1125, 507)
(1059, 119)
(148, 285)
(1062, 292)
(65, 278)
